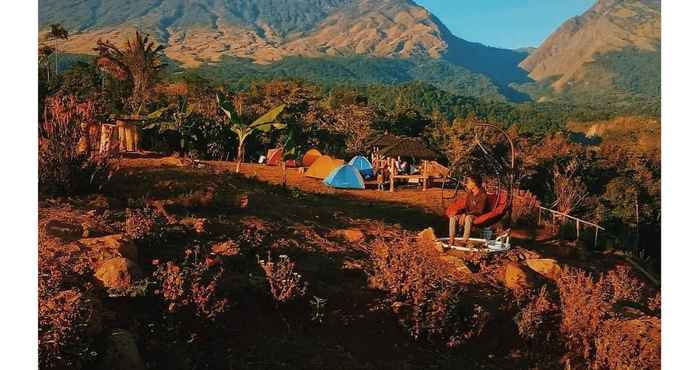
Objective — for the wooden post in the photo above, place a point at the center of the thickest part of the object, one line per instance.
(391, 174)
(577, 230)
(595, 242)
(424, 172)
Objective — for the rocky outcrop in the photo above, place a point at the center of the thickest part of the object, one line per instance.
(516, 277)
(546, 267)
(110, 246)
(117, 273)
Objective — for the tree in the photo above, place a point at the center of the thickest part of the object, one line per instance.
(139, 61)
(265, 123)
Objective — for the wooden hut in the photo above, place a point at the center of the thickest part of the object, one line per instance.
(123, 136)
(409, 147)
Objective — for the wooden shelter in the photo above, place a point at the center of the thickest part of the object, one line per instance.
(412, 148)
(123, 136)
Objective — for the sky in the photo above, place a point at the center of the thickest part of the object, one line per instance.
(505, 23)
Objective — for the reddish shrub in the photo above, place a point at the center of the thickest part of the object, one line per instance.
(193, 285)
(65, 166)
(525, 207)
(143, 223)
(416, 277)
(629, 344)
(536, 319)
(585, 305)
(285, 284)
(69, 313)
(625, 286)
(67, 323)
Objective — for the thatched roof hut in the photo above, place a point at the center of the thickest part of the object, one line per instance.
(410, 147)
(382, 141)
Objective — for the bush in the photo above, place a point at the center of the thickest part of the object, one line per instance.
(596, 332)
(142, 224)
(194, 285)
(525, 208)
(585, 304)
(65, 165)
(285, 284)
(416, 278)
(536, 319)
(69, 312)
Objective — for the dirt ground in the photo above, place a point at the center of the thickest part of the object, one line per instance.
(308, 222)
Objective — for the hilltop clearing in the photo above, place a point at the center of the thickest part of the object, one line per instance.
(212, 269)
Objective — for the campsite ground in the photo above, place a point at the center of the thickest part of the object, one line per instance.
(327, 233)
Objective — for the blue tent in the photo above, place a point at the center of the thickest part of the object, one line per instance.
(362, 165)
(345, 177)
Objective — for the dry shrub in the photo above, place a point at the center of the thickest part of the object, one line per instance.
(597, 333)
(625, 286)
(537, 317)
(654, 303)
(629, 344)
(415, 276)
(585, 305)
(569, 189)
(525, 207)
(144, 223)
(69, 313)
(285, 284)
(63, 167)
(194, 285)
(67, 323)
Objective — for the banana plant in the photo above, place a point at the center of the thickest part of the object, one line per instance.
(265, 123)
(290, 151)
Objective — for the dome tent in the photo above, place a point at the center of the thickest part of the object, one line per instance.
(310, 157)
(363, 165)
(323, 166)
(274, 157)
(345, 177)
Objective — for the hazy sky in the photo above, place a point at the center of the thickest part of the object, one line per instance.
(505, 23)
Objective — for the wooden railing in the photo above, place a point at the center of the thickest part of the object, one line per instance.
(578, 222)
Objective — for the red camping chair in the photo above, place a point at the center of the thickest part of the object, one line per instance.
(498, 204)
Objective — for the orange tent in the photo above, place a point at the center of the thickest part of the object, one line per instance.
(323, 166)
(274, 157)
(310, 157)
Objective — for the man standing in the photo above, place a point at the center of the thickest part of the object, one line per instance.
(467, 207)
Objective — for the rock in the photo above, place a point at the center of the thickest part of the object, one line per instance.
(117, 273)
(516, 277)
(121, 352)
(227, 248)
(64, 230)
(110, 246)
(546, 267)
(456, 262)
(428, 236)
(351, 235)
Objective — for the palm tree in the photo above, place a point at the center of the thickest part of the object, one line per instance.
(265, 123)
(57, 33)
(138, 61)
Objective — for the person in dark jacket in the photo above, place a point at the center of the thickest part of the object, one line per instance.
(467, 207)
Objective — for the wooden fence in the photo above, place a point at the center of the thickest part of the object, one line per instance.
(578, 221)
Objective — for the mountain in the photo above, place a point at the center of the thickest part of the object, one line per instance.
(614, 47)
(200, 33)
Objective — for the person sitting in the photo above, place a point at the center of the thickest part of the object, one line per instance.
(467, 207)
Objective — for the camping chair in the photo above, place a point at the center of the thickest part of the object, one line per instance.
(498, 204)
